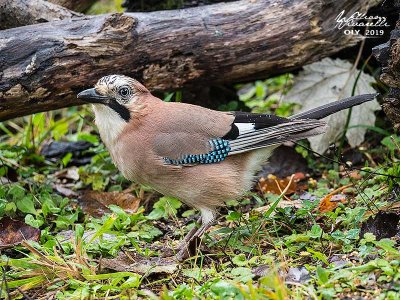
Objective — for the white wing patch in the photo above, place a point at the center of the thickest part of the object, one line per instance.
(245, 127)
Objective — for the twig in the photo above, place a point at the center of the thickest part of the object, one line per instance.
(334, 192)
(280, 189)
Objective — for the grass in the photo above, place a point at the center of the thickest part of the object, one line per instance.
(265, 246)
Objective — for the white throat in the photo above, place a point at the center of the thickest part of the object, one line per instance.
(110, 124)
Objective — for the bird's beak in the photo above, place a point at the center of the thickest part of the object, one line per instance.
(91, 96)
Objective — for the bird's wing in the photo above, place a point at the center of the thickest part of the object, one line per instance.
(195, 135)
(187, 130)
(262, 130)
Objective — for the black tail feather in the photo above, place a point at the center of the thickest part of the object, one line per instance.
(333, 107)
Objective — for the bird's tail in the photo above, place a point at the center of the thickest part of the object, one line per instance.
(333, 107)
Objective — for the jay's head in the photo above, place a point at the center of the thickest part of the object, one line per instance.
(118, 93)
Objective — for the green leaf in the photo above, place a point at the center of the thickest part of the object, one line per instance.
(48, 206)
(261, 89)
(240, 260)
(118, 211)
(315, 232)
(91, 138)
(66, 220)
(168, 97)
(2, 192)
(145, 232)
(234, 216)
(353, 234)
(104, 228)
(111, 275)
(17, 191)
(3, 205)
(318, 255)
(322, 274)
(246, 93)
(164, 208)
(388, 245)
(60, 130)
(28, 282)
(26, 205)
(30, 220)
(156, 214)
(273, 206)
(188, 213)
(225, 290)
(232, 203)
(10, 207)
(79, 230)
(3, 171)
(390, 142)
(242, 274)
(65, 160)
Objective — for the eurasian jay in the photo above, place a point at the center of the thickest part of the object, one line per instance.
(200, 156)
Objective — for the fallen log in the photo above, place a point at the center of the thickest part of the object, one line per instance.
(152, 5)
(75, 5)
(17, 13)
(44, 66)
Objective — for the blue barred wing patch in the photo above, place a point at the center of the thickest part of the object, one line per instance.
(220, 149)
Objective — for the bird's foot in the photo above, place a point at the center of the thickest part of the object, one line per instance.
(182, 255)
(168, 252)
(188, 249)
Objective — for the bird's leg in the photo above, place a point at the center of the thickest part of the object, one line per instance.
(183, 242)
(190, 234)
(207, 219)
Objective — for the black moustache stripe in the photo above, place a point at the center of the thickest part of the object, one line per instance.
(120, 109)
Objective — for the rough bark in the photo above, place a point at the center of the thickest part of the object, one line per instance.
(388, 55)
(44, 66)
(153, 5)
(75, 5)
(15, 13)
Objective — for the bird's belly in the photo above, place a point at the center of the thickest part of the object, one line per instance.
(203, 185)
(198, 186)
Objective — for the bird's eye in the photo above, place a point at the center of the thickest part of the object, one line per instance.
(124, 91)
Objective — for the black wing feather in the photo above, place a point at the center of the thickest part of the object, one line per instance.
(323, 111)
(259, 120)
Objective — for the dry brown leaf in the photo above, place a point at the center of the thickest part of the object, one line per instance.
(95, 203)
(355, 175)
(275, 185)
(329, 80)
(69, 173)
(330, 202)
(14, 232)
(65, 191)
